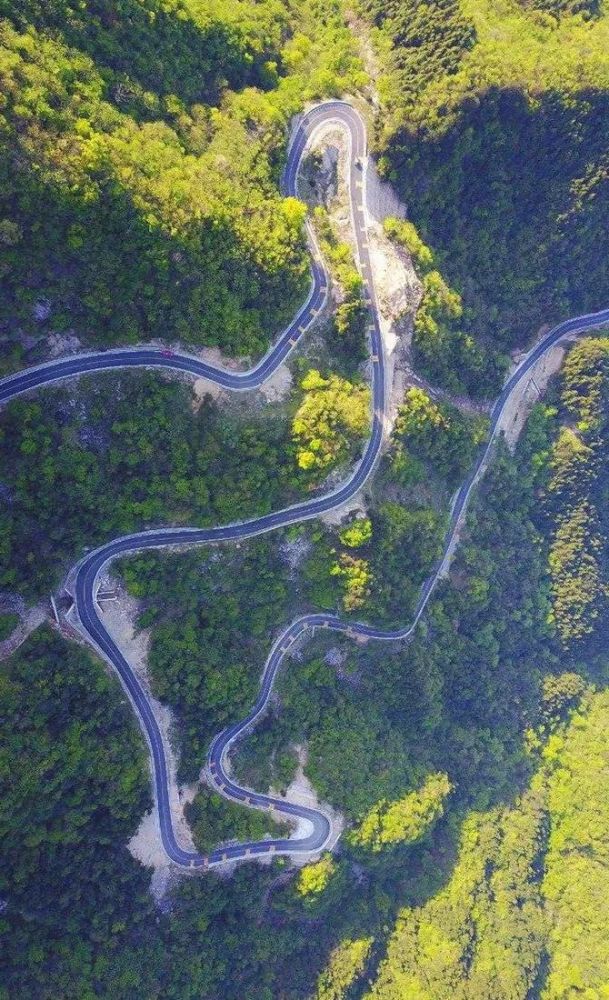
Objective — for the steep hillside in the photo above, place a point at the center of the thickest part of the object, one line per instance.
(524, 913)
(494, 130)
(141, 143)
(140, 147)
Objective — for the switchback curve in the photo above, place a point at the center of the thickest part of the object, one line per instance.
(87, 573)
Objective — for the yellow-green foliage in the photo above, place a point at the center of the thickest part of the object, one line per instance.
(446, 354)
(533, 50)
(440, 304)
(574, 492)
(507, 46)
(332, 417)
(526, 905)
(577, 584)
(576, 869)
(345, 964)
(585, 390)
(349, 320)
(314, 878)
(436, 433)
(482, 935)
(338, 254)
(356, 533)
(405, 233)
(571, 463)
(145, 200)
(356, 579)
(403, 822)
(419, 414)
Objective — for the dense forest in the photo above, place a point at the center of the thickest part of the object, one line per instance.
(494, 132)
(472, 766)
(210, 632)
(524, 912)
(76, 917)
(80, 467)
(141, 143)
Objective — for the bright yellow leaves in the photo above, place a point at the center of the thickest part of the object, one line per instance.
(314, 878)
(356, 578)
(332, 417)
(404, 821)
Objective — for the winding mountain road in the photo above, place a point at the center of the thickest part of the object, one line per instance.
(87, 573)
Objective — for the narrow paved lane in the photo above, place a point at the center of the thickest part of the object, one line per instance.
(90, 568)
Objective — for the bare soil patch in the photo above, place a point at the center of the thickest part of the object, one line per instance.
(397, 286)
(302, 792)
(529, 391)
(278, 386)
(30, 619)
(119, 619)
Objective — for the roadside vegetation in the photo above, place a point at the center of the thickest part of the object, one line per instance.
(333, 415)
(470, 766)
(346, 334)
(492, 130)
(139, 190)
(77, 918)
(111, 456)
(214, 821)
(465, 763)
(211, 612)
(375, 565)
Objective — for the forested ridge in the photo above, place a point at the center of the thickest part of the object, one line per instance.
(494, 132)
(113, 455)
(506, 922)
(140, 148)
(141, 144)
(472, 766)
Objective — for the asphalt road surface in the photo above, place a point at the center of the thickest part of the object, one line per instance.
(88, 571)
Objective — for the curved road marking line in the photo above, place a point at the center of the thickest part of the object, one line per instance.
(90, 567)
